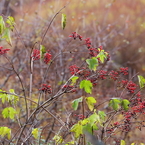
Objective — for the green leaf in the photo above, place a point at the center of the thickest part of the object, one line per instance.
(35, 133)
(2, 25)
(114, 103)
(122, 142)
(5, 131)
(77, 129)
(13, 99)
(58, 139)
(93, 63)
(10, 20)
(90, 102)
(9, 112)
(102, 55)
(95, 127)
(141, 80)
(85, 121)
(42, 51)
(86, 85)
(102, 115)
(88, 128)
(125, 104)
(93, 119)
(6, 36)
(3, 96)
(74, 79)
(63, 21)
(76, 102)
(132, 143)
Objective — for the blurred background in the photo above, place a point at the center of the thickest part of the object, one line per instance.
(117, 25)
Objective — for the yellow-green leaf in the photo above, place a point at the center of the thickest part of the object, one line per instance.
(58, 139)
(74, 79)
(63, 21)
(42, 51)
(9, 112)
(86, 85)
(2, 25)
(114, 103)
(10, 20)
(90, 102)
(77, 129)
(5, 131)
(102, 55)
(76, 102)
(6, 36)
(93, 63)
(141, 80)
(122, 142)
(35, 133)
(125, 104)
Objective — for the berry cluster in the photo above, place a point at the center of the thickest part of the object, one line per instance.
(131, 86)
(93, 52)
(88, 42)
(80, 116)
(124, 70)
(102, 74)
(75, 35)
(74, 69)
(114, 75)
(46, 88)
(47, 58)
(68, 88)
(3, 51)
(36, 56)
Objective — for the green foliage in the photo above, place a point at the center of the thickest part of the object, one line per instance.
(42, 51)
(35, 133)
(70, 143)
(2, 25)
(63, 21)
(93, 63)
(88, 124)
(141, 80)
(3, 96)
(58, 139)
(94, 118)
(88, 128)
(102, 115)
(12, 98)
(125, 104)
(86, 85)
(114, 103)
(74, 79)
(122, 142)
(6, 36)
(90, 102)
(77, 129)
(5, 131)
(9, 112)
(102, 56)
(10, 20)
(76, 102)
